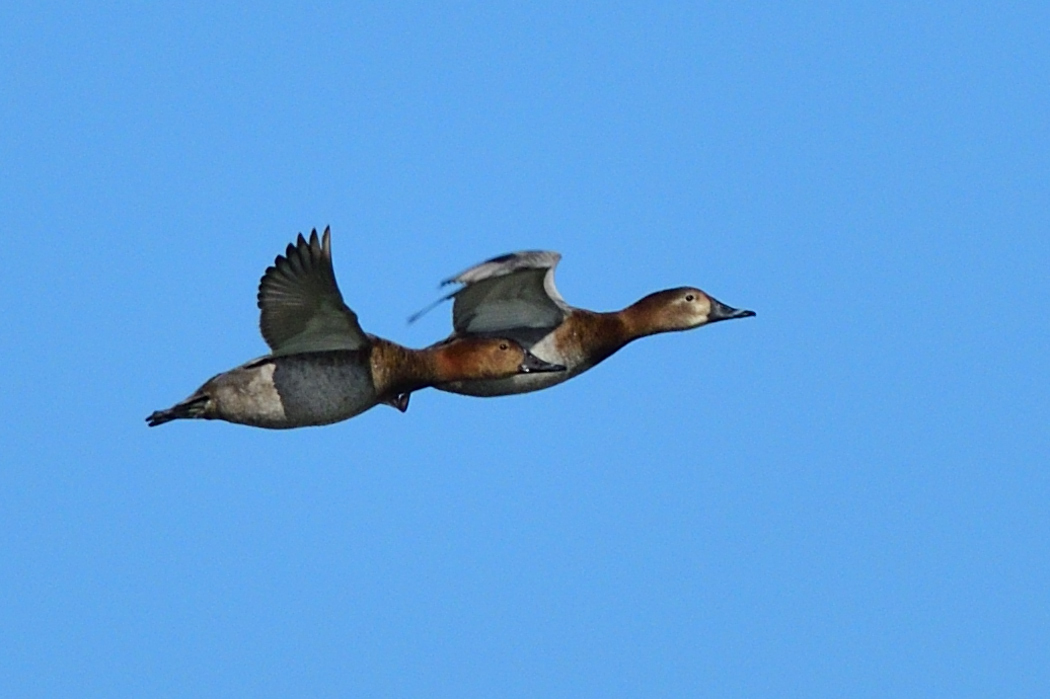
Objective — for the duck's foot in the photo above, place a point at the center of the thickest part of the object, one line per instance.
(400, 401)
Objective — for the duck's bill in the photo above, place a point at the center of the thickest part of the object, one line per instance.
(720, 311)
(532, 363)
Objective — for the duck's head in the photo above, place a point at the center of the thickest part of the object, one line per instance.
(490, 358)
(681, 309)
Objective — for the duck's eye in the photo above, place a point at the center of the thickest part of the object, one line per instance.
(690, 297)
(503, 346)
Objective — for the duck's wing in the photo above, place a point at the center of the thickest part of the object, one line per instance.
(302, 309)
(511, 295)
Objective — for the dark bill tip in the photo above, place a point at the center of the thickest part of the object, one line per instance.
(720, 311)
(533, 363)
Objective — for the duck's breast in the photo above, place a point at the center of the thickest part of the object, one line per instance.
(319, 388)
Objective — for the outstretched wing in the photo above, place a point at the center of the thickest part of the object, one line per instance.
(302, 309)
(511, 295)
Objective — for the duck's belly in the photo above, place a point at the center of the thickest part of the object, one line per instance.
(295, 391)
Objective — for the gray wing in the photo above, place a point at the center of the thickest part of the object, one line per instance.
(302, 309)
(510, 295)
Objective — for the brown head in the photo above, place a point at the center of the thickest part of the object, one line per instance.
(487, 358)
(677, 309)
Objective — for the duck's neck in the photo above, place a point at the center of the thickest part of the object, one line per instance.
(641, 318)
(606, 333)
(598, 335)
(397, 369)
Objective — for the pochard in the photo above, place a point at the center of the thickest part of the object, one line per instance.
(323, 367)
(514, 296)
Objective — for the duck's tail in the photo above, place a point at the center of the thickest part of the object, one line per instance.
(192, 407)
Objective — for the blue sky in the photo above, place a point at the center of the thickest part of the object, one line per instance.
(845, 496)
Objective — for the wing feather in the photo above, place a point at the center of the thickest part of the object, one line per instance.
(512, 295)
(301, 307)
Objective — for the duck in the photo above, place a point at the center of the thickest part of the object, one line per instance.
(514, 296)
(322, 367)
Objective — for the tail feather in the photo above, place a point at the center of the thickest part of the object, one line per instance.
(192, 407)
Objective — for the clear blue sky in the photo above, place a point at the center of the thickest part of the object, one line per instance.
(845, 496)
